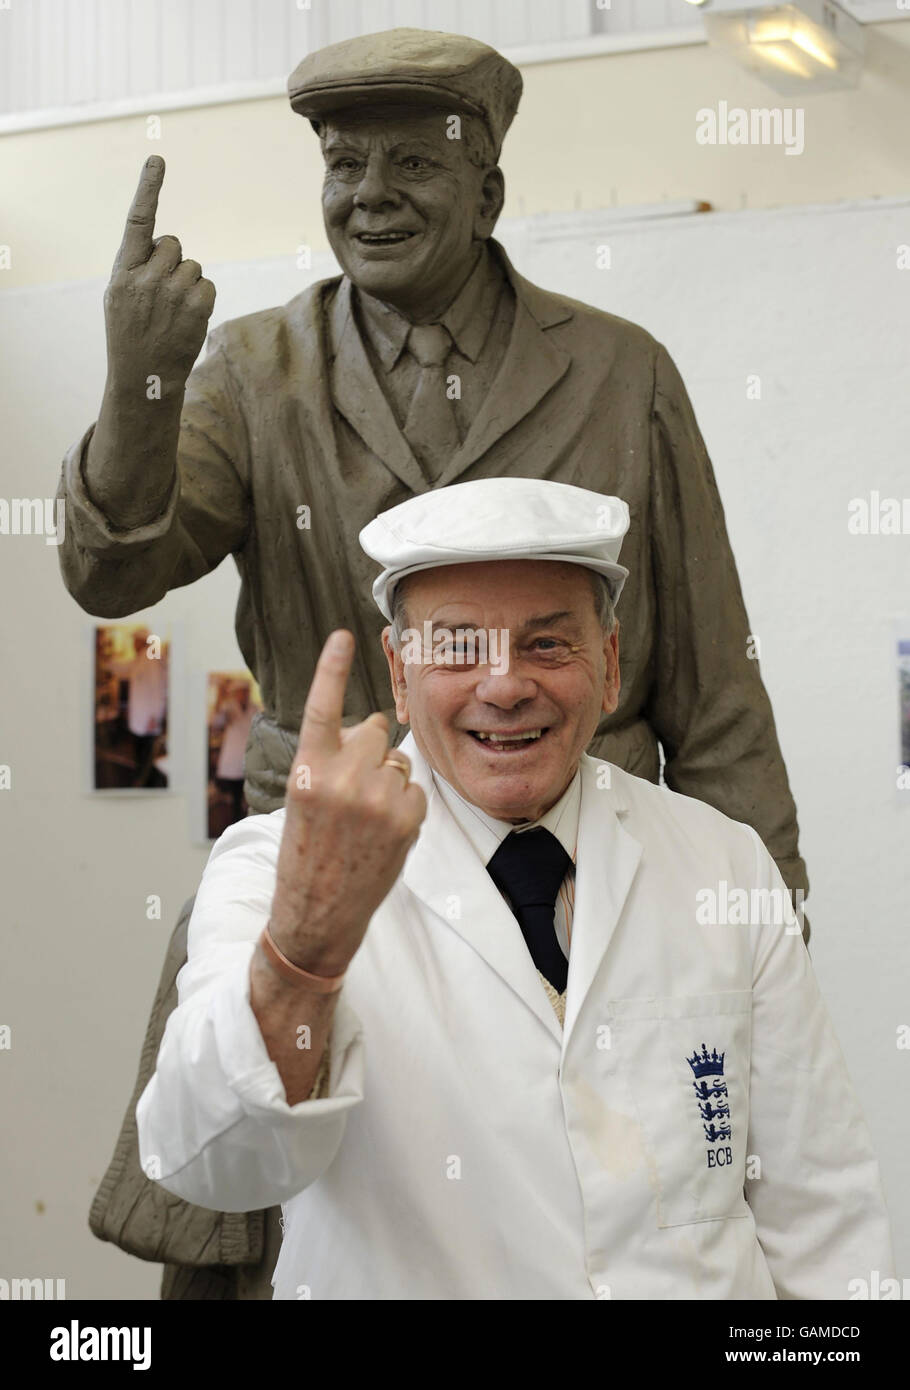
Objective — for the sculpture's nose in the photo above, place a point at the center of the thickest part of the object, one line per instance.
(376, 188)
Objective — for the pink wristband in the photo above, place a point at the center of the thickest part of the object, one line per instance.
(322, 984)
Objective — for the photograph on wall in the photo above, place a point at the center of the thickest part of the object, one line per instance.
(130, 709)
(232, 701)
(903, 695)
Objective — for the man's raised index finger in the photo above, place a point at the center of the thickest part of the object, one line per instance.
(138, 234)
(325, 702)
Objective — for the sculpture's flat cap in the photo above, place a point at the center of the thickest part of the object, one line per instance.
(409, 67)
(497, 519)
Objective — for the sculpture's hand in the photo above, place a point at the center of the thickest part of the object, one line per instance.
(156, 306)
(350, 821)
(156, 311)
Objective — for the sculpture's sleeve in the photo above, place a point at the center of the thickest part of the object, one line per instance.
(214, 1123)
(708, 706)
(817, 1198)
(111, 572)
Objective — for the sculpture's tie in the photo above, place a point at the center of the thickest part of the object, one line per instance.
(529, 867)
(431, 428)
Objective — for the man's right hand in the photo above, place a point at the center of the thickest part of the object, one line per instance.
(156, 306)
(350, 820)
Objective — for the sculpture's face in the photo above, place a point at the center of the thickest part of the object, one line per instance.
(561, 672)
(404, 207)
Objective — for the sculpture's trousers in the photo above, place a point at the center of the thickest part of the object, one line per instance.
(206, 1254)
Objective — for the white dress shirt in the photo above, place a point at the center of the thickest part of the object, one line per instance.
(486, 834)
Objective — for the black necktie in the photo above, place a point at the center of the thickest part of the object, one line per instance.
(529, 867)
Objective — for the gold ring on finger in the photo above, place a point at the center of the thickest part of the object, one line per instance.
(391, 761)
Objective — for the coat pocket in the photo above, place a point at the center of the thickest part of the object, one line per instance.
(685, 1061)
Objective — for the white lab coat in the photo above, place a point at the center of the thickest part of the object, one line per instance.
(469, 1147)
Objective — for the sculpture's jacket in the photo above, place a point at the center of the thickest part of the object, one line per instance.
(288, 448)
(691, 1133)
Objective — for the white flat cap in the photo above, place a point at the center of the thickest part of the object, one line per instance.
(497, 519)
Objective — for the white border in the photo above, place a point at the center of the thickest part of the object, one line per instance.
(196, 754)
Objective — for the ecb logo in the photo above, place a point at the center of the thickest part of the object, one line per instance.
(713, 1104)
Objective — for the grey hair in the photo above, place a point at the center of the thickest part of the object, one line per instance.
(399, 617)
(600, 589)
(603, 602)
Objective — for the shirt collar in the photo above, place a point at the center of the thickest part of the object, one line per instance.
(486, 834)
(468, 318)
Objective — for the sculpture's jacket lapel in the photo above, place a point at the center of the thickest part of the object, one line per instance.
(360, 398)
(532, 366)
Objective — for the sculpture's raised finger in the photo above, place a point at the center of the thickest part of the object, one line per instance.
(138, 234)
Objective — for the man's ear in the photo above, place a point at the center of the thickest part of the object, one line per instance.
(396, 677)
(611, 677)
(490, 201)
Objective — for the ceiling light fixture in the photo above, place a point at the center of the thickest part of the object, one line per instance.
(812, 46)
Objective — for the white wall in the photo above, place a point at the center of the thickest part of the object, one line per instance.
(243, 178)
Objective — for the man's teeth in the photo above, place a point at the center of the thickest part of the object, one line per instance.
(509, 738)
(383, 236)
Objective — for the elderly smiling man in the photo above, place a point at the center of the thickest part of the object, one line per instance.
(452, 1006)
